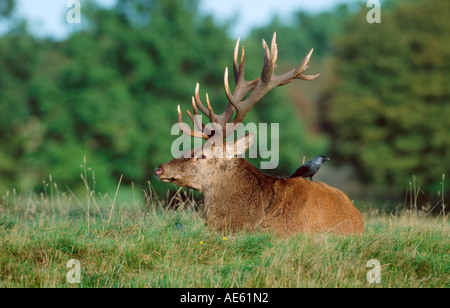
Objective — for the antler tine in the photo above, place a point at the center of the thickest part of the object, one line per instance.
(187, 130)
(235, 58)
(267, 69)
(270, 59)
(304, 66)
(297, 73)
(198, 100)
(305, 62)
(274, 49)
(192, 118)
(227, 87)
(212, 116)
(195, 119)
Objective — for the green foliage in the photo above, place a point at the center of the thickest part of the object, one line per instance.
(109, 93)
(389, 103)
(6, 8)
(123, 92)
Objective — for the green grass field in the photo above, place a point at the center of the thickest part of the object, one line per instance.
(138, 244)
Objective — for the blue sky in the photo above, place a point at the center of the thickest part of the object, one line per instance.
(47, 17)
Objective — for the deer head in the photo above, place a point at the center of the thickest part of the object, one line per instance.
(215, 159)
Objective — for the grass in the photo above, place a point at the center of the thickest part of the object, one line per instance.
(138, 244)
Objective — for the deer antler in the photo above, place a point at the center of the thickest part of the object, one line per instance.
(258, 88)
(267, 81)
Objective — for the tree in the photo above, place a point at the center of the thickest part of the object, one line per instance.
(388, 106)
(121, 96)
(6, 7)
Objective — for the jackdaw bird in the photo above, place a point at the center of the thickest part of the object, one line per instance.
(309, 169)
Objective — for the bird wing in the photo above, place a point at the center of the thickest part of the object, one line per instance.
(302, 171)
(314, 167)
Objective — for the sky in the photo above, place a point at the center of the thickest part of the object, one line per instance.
(48, 17)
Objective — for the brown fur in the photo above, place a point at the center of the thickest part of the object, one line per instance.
(237, 196)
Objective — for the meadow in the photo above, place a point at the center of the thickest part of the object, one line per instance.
(163, 242)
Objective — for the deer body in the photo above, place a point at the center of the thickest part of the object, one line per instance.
(236, 195)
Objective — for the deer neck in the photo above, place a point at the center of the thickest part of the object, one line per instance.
(238, 196)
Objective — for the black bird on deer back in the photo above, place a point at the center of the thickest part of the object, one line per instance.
(310, 168)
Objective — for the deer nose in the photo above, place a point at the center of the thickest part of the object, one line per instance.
(158, 171)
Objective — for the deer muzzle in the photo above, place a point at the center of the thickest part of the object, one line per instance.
(159, 172)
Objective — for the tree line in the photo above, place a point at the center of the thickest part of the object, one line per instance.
(109, 91)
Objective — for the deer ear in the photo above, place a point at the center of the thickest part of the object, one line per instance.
(237, 148)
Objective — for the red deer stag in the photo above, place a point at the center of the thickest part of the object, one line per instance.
(236, 195)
